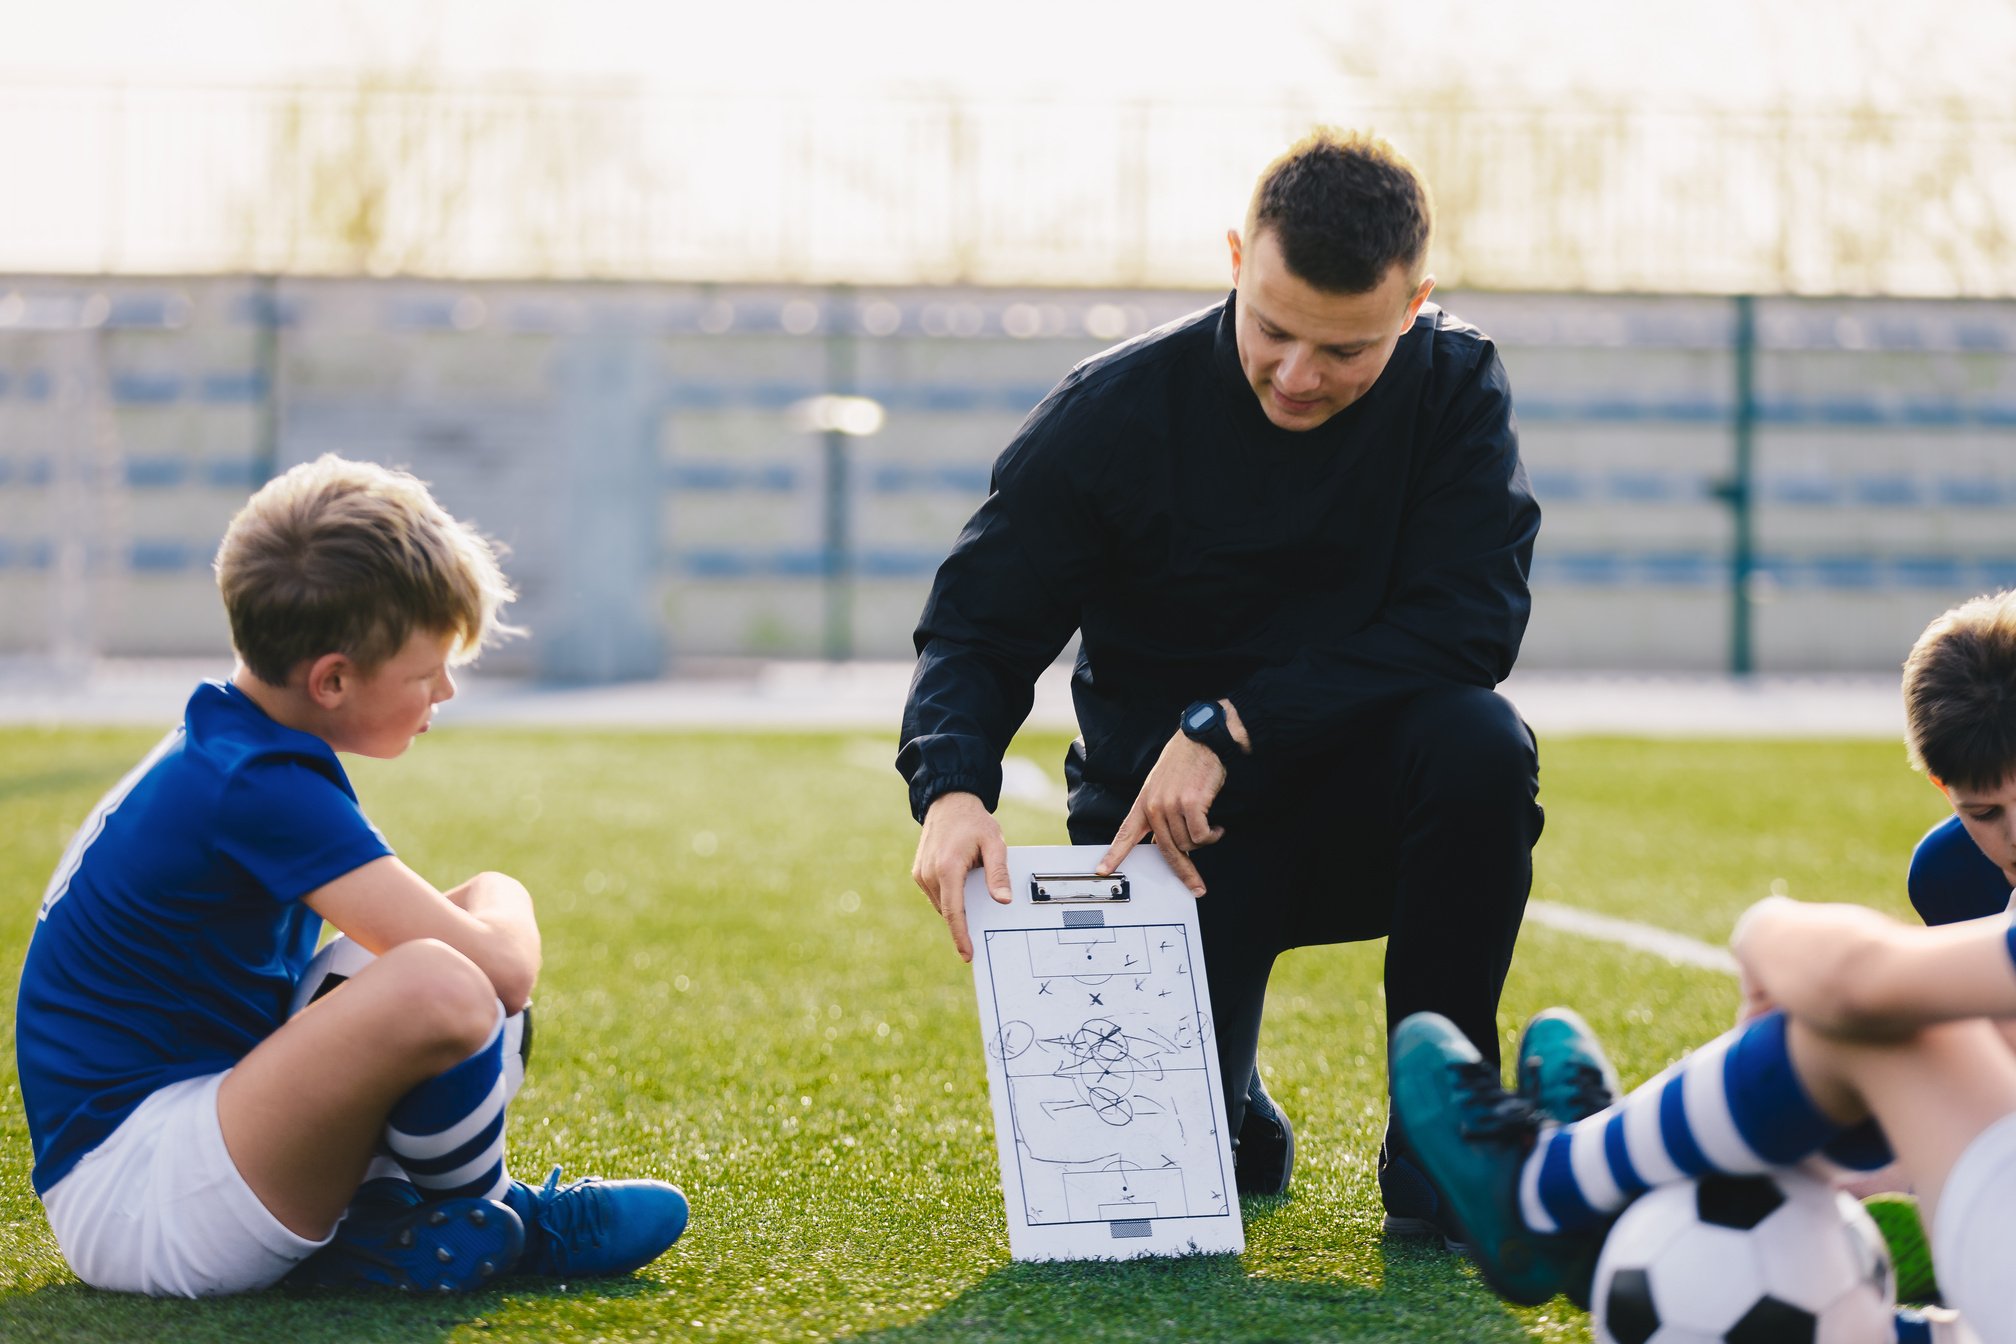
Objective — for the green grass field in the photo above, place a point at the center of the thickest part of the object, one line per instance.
(744, 994)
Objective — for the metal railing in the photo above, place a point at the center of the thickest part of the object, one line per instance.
(386, 178)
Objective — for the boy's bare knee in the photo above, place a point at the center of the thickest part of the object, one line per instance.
(445, 999)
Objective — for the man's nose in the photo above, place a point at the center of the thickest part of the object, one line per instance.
(1297, 373)
(445, 690)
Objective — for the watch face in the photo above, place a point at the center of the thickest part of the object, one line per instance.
(1201, 717)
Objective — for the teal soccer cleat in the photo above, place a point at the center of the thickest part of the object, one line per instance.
(393, 1238)
(1471, 1138)
(1563, 1073)
(1562, 1069)
(592, 1227)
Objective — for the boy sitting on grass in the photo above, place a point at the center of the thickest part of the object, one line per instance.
(189, 1138)
(1851, 1017)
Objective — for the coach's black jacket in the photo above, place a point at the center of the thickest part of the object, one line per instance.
(1314, 578)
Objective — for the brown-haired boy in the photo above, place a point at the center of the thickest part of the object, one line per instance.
(1851, 1018)
(190, 1139)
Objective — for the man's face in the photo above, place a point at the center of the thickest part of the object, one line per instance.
(1990, 818)
(1308, 353)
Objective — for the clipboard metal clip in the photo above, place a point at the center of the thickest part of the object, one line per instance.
(1078, 889)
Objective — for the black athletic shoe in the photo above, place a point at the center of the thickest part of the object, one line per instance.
(1413, 1210)
(1266, 1153)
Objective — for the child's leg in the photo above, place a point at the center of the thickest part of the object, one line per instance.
(447, 1134)
(1767, 1094)
(1933, 1093)
(303, 1113)
(1946, 1098)
(1735, 1106)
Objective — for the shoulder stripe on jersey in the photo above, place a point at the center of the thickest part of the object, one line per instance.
(94, 825)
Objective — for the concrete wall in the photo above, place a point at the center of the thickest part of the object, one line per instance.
(638, 449)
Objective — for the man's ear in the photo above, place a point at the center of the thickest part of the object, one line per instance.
(1232, 241)
(1414, 304)
(329, 679)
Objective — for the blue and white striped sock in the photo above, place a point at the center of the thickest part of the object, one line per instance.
(1734, 1106)
(448, 1133)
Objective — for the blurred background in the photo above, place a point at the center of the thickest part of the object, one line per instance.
(718, 315)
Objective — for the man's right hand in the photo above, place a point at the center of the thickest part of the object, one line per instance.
(960, 834)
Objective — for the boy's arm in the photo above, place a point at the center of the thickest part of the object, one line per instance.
(1851, 971)
(488, 919)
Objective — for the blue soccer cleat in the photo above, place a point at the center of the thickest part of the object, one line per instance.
(393, 1238)
(592, 1227)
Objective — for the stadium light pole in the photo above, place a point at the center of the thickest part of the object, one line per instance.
(838, 418)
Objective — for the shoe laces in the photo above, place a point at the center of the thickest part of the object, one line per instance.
(1490, 1113)
(571, 1215)
(1588, 1090)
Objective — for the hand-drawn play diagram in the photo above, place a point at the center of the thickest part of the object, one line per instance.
(1110, 1074)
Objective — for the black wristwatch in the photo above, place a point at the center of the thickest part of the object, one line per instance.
(1204, 721)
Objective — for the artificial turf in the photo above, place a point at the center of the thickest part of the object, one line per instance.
(744, 994)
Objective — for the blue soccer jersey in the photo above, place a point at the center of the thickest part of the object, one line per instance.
(173, 931)
(1951, 879)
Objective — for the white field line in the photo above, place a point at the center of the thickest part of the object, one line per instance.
(1677, 948)
(1022, 780)
(1025, 781)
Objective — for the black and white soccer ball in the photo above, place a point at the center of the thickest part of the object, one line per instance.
(337, 961)
(1777, 1259)
(340, 958)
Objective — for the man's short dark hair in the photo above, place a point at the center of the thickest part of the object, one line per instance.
(1345, 208)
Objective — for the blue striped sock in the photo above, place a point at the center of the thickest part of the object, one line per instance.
(448, 1133)
(1734, 1106)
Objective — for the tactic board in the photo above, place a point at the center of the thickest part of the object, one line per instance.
(1096, 1021)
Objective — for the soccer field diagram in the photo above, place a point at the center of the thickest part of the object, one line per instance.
(1106, 1049)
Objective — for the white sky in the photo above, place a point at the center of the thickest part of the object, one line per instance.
(1715, 52)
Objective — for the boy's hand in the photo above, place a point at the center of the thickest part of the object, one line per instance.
(1753, 1002)
(1850, 971)
(1794, 954)
(488, 919)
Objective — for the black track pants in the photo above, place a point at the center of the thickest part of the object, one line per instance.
(1421, 832)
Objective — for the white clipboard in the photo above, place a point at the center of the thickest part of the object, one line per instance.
(1109, 1110)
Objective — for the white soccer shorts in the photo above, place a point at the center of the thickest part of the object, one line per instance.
(1973, 1231)
(159, 1208)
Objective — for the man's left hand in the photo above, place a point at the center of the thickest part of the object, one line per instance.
(1174, 806)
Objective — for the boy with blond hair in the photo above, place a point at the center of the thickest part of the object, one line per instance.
(1852, 1020)
(189, 1138)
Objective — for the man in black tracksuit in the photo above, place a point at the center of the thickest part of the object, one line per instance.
(1298, 522)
